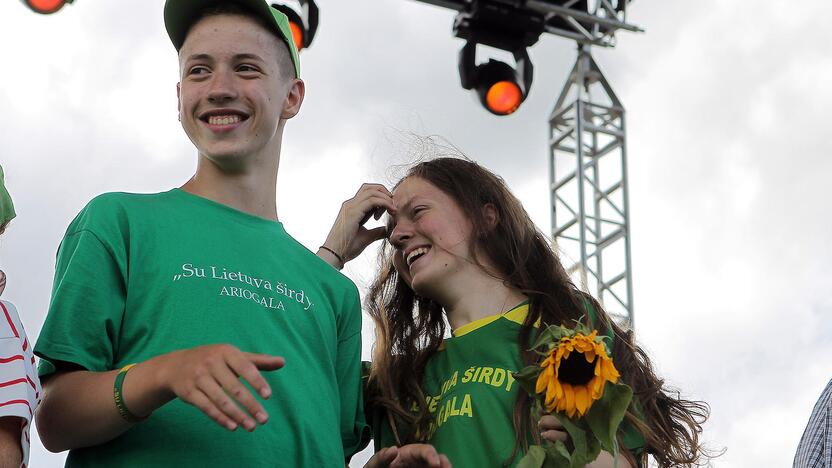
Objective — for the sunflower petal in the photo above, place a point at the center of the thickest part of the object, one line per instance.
(551, 392)
(582, 401)
(544, 378)
(570, 399)
(590, 355)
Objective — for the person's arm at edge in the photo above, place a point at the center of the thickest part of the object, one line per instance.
(11, 454)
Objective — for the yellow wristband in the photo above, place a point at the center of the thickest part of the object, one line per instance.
(118, 396)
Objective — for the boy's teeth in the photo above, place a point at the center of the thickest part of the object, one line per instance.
(223, 119)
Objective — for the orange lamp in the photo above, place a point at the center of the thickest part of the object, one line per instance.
(503, 97)
(297, 34)
(46, 7)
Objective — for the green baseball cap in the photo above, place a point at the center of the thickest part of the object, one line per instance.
(6, 206)
(181, 14)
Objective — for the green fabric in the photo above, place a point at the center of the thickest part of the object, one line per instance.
(181, 14)
(6, 206)
(142, 275)
(471, 396)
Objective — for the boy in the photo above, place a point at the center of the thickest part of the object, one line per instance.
(169, 307)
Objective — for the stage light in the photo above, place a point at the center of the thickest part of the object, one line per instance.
(46, 7)
(503, 97)
(303, 20)
(501, 88)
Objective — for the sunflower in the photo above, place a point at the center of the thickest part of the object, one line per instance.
(574, 373)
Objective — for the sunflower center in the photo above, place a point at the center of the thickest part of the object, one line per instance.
(574, 370)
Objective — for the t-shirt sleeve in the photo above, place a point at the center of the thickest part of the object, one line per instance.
(19, 386)
(355, 434)
(87, 305)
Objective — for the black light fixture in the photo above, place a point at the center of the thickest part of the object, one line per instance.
(46, 7)
(501, 88)
(303, 19)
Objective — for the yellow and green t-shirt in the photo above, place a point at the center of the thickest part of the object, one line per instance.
(471, 393)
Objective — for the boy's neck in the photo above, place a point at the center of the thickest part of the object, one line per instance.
(252, 190)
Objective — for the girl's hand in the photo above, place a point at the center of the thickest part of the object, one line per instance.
(348, 236)
(409, 456)
(551, 429)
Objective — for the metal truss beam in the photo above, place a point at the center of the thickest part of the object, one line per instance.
(588, 187)
(586, 22)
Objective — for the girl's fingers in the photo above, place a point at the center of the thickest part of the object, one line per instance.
(444, 462)
(548, 422)
(554, 436)
(369, 187)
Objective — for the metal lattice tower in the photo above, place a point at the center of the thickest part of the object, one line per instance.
(587, 141)
(588, 175)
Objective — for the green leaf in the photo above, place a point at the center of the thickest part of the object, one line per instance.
(547, 335)
(557, 456)
(607, 413)
(534, 458)
(587, 447)
(527, 378)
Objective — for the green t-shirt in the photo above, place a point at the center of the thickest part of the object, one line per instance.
(142, 275)
(471, 393)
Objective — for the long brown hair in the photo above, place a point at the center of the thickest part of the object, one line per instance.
(410, 328)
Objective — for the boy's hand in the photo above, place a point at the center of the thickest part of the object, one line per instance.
(208, 377)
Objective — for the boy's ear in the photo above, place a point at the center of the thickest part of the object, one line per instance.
(294, 99)
(178, 102)
(491, 215)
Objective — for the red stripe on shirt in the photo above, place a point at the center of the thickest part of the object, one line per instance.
(25, 344)
(10, 359)
(35, 387)
(13, 382)
(18, 402)
(9, 319)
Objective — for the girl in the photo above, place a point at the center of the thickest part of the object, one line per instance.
(462, 253)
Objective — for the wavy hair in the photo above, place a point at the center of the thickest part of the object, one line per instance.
(410, 328)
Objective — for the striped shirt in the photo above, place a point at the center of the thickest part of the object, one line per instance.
(20, 389)
(815, 447)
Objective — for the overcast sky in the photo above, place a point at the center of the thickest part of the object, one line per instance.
(728, 104)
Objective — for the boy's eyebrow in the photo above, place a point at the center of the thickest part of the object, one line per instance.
(199, 57)
(248, 56)
(243, 56)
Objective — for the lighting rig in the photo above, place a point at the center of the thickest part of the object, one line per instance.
(587, 140)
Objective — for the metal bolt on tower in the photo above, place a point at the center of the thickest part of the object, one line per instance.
(588, 175)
